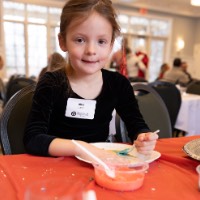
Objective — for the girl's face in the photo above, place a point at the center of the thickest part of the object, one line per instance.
(89, 44)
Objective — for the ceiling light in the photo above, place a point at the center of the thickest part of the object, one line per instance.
(195, 2)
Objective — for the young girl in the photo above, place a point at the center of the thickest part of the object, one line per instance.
(77, 102)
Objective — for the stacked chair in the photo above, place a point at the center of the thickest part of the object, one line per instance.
(13, 120)
(171, 96)
(15, 84)
(194, 87)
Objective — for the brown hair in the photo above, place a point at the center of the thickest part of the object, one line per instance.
(56, 61)
(81, 9)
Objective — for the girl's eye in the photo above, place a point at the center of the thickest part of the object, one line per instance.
(102, 42)
(80, 40)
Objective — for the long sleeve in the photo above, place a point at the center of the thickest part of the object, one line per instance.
(36, 138)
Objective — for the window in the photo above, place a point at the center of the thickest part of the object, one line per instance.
(124, 23)
(30, 33)
(156, 58)
(54, 16)
(139, 25)
(159, 28)
(149, 35)
(15, 48)
(14, 11)
(54, 41)
(37, 14)
(37, 48)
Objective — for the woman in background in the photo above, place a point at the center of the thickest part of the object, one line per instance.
(164, 67)
(55, 61)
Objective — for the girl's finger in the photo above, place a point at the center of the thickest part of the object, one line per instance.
(151, 136)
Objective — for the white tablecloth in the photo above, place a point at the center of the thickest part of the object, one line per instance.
(188, 118)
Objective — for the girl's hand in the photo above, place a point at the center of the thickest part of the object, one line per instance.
(145, 142)
(100, 153)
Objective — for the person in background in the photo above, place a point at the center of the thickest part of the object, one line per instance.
(117, 57)
(55, 61)
(184, 66)
(163, 69)
(141, 54)
(77, 101)
(176, 75)
(134, 65)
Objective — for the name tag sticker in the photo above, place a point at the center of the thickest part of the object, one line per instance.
(80, 108)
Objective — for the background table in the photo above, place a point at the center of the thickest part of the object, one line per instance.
(189, 114)
(172, 176)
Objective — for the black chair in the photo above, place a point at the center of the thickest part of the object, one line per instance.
(13, 120)
(121, 131)
(137, 79)
(154, 112)
(194, 87)
(171, 97)
(15, 84)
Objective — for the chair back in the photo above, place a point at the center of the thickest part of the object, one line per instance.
(171, 96)
(13, 120)
(16, 84)
(194, 87)
(137, 79)
(121, 131)
(153, 110)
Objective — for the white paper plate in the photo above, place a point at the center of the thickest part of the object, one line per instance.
(117, 146)
(192, 149)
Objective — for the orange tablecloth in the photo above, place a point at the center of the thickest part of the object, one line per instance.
(173, 176)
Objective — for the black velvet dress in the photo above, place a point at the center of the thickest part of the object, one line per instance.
(47, 118)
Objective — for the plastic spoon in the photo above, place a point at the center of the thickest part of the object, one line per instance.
(157, 131)
(108, 171)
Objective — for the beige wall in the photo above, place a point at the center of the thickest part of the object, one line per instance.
(184, 27)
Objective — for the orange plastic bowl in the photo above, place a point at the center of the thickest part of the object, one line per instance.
(127, 177)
